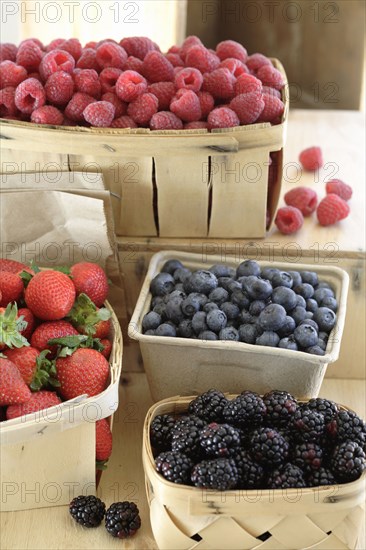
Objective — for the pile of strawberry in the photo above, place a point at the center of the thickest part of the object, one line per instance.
(133, 84)
(54, 339)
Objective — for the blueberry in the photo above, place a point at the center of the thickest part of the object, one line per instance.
(182, 274)
(330, 302)
(173, 310)
(285, 297)
(323, 336)
(222, 270)
(248, 333)
(201, 281)
(288, 343)
(311, 305)
(310, 322)
(176, 295)
(209, 307)
(231, 310)
(309, 277)
(170, 266)
(306, 335)
(160, 309)
(282, 278)
(179, 286)
(219, 295)
(316, 350)
(193, 303)
(224, 282)
(256, 307)
(322, 344)
(268, 338)
(305, 290)
(162, 284)
(166, 329)
(156, 300)
(229, 333)
(151, 321)
(257, 289)
(298, 314)
(234, 285)
(326, 318)
(296, 277)
(321, 293)
(246, 318)
(239, 298)
(248, 267)
(199, 322)
(207, 335)
(268, 272)
(323, 284)
(216, 320)
(288, 326)
(272, 317)
(150, 332)
(300, 301)
(185, 329)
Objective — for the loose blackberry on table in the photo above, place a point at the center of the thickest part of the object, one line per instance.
(122, 519)
(89, 510)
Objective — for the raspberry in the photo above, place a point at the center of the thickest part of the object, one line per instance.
(186, 105)
(11, 74)
(29, 56)
(87, 81)
(273, 109)
(303, 198)
(99, 113)
(130, 85)
(111, 55)
(222, 117)
(29, 95)
(56, 60)
(189, 78)
(174, 49)
(108, 79)
(59, 88)
(187, 44)
(247, 83)
(202, 59)
(37, 76)
(164, 91)
(91, 44)
(55, 44)
(119, 105)
(207, 103)
(235, 66)
(8, 52)
(88, 60)
(289, 219)
(271, 91)
(332, 209)
(35, 41)
(256, 61)
(7, 102)
(47, 115)
(220, 84)
(175, 59)
(73, 47)
(338, 187)
(230, 48)
(196, 125)
(143, 108)
(77, 104)
(133, 64)
(123, 122)
(311, 158)
(248, 107)
(270, 76)
(157, 68)
(165, 120)
(138, 46)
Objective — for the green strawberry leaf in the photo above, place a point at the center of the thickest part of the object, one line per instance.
(46, 373)
(63, 269)
(85, 315)
(34, 267)
(69, 344)
(26, 277)
(101, 464)
(11, 326)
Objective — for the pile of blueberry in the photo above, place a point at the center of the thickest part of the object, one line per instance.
(264, 306)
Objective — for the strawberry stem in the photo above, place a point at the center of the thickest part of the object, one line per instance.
(85, 315)
(11, 326)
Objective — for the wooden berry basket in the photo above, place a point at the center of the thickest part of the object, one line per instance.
(172, 183)
(184, 517)
(48, 457)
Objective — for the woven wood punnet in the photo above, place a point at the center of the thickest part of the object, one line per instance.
(183, 517)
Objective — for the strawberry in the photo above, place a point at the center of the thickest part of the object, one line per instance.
(50, 295)
(29, 318)
(11, 327)
(49, 330)
(107, 347)
(11, 266)
(103, 440)
(102, 329)
(89, 319)
(38, 401)
(91, 280)
(86, 371)
(13, 389)
(11, 287)
(332, 209)
(36, 370)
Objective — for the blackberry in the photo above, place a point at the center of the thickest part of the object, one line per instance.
(307, 456)
(323, 476)
(280, 408)
(308, 425)
(348, 461)
(245, 409)
(174, 466)
(190, 421)
(350, 426)
(220, 474)
(286, 477)
(327, 408)
(219, 440)
(122, 519)
(209, 406)
(161, 431)
(268, 447)
(251, 473)
(186, 440)
(87, 510)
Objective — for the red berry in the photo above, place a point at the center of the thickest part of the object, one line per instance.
(29, 96)
(303, 198)
(107, 347)
(99, 113)
(222, 117)
(8, 52)
(11, 75)
(50, 295)
(59, 88)
(119, 105)
(49, 330)
(38, 401)
(164, 91)
(189, 78)
(133, 64)
(256, 61)
(289, 219)
(143, 108)
(235, 66)
(165, 120)
(30, 320)
(270, 76)
(175, 59)
(248, 107)
(124, 121)
(247, 83)
(11, 265)
(88, 60)
(11, 287)
(7, 102)
(202, 59)
(207, 103)
(156, 68)
(87, 81)
(220, 84)
(332, 209)
(230, 48)
(138, 46)
(130, 85)
(47, 115)
(103, 440)
(76, 106)
(271, 91)
(311, 158)
(35, 41)
(273, 109)
(186, 105)
(196, 125)
(29, 55)
(55, 44)
(187, 44)
(72, 46)
(108, 78)
(111, 55)
(56, 60)
(13, 389)
(338, 187)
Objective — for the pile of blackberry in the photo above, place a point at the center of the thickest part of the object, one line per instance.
(264, 442)
(262, 306)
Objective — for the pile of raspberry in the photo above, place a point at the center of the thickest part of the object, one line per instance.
(132, 84)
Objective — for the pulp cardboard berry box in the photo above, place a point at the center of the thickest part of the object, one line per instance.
(182, 366)
(186, 518)
(48, 457)
(172, 183)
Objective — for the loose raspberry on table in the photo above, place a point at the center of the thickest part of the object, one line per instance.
(8, 52)
(222, 117)
(303, 198)
(88, 60)
(196, 125)
(273, 109)
(235, 66)
(138, 46)
(133, 64)
(186, 105)
(143, 108)
(119, 105)
(130, 85)
(56, 60)
(124, 121)
(207, 103)
(87, 81)
(311, 158)
(187, 44)
(11, 74)
(111, 55)
(340, 188)
(59, 88)
(332, 209)
(247, 83)
(270, 76)
(7, 102)
(248, 107)
(157, 68)
(108, 79)
(289, 219)
(202, 59)
(256, 61)
(73, 46)
(175, 59)
(47, 115)
(99, 113)
(29, 56)
(164, 91)
(76, 106)
(220, 84)
(29, 95)
(165, 120)
(189, 78)
(230, 48)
